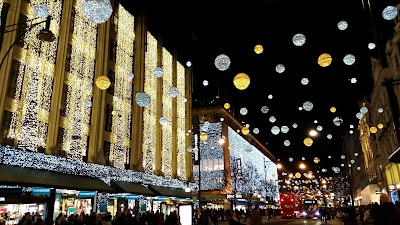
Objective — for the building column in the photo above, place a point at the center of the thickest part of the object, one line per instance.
(227, 162)
(174, 163)
(157, 169)
(188, 120)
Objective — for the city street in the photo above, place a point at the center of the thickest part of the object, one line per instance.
(301, 221)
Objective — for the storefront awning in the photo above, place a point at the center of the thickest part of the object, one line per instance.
(395, 156)
(170, 192)
(133, 188)
(14, 175)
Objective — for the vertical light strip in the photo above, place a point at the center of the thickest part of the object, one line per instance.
(123, 89)
(167, 113)
(80, 81)
(149, 118)
(35, 80)
(1, 5)
(181, 113)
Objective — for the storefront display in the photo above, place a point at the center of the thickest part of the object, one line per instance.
(16, 211)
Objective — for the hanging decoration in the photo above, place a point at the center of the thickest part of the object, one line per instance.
(142, 99)
(272, 119)
(304, 81)
(275, 130)
(319, 128)
(299, 39)
(245, 130)
(203, 136)
(337, 121)
(241, 81)
(329, 136)
(380, 110)
(333, 109)
(325, 60)
(316, 160)
(295, 125)
(243, 111)
(256, 131)
(163, 121)
(389, 13)
(308, 142)
(205, 83)
(373, 130)
(284, 129)
(103, 82)
(222, 62)
(342, 25)
(280, 68)
(308, 106)
(227, 106)
(97, 11)
(349, 59)
(158, 72)
(264, 109)
(286, 143)
(359, 115)
(258, 49)
(371, 46)
(41, 11)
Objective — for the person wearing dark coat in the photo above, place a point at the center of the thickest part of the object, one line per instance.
(233, 220)
(387, 213)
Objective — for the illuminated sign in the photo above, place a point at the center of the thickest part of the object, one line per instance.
(391, 187)
(2, 199)
(40, 191)
(87, 194)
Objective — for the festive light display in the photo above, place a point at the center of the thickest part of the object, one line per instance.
(364, 110)
(41, 11)
(258, 49)
(349, 59)
(173, 92)
(181, 121)
(130, 75)
(304, 81)
(34, 83)
(329, 136)
(286, 143)
(203, 136)
(333, 109)
(245, 130)
(284, 129)
(389, 13)
(163, 121)
(325, 60)
(280, 68)
(371, 46)
(299, 39)
(290, 159)
(342, 25)
(316, 160)
(337, 121)
(256, 131)
(142, 99)
(222, 62)
(308, 142)
(295, 125)
(380, 126)
(121, 125)
(272, 119)
(319, 128)
(227, 106)
(359, 115)
(264, 109)
(373, 130)
(275, 130)
(241, 81)
(158, 72)
(353, 80)
(205, 83)
(103, 82)
(188, 64)
(380, 110)
(336, 169)
(243, 111)
(97, 11)
(308, 106)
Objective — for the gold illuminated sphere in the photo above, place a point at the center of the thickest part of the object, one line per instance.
(308, 142)
(238, 130)
(245, 130)
(103, 82)
(316, 160)
(297, 175)
(241, 81)
(325, 60)
(333, 109)
(203, 136)
(227, 105)
(258, 49)
(380, 126)
(373, 130)
(358, 168)
(229, 147)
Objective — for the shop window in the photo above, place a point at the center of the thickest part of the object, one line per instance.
(72, 21)
(133, 94)
(111, 76)
(107, 149)
(128, 154)
(68, 59)
(60, 141)
(12, 80)
(108, 123)
(113, 50)
(64, 99)
(21, 29)
(5, 129)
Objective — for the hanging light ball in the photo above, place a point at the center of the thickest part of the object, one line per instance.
(173, 92)
(97, 11)
(258, 49)
(188, 64)
(243, 111)
(41, 11)
(158, 72)
(222, 62)
(325, 60)
(295, 125)
(351, 132)
(353, 80)
(380, 110)
(359, 115)
(284, 129)
(358, 168)
(300, 108)
(280, 68)
(342, 25)
(290, 159)
(272, 119)
(316, 160)
(275, 130)
(205, 83)
(203, 136)
(349, 59)
(256, 131)
(373, 130)
(299, 39)
(142, 99)
(163, 121)
(308, 142)
(319, 128)
(245, 130)
(304, 81)
(130, 75)
(364, 110)
(389, 13)
(337, 121)
(371, 46)
(308, 106)
(356, 154)
(333, 109)
(342, 156)
(103, 82)
(329, 136)
(303, 158)
(270, 96)
(227, 106)
(264, 109)
(297, 175)
(241, 81)
(286, 143)
(88, 104)
(380, 126)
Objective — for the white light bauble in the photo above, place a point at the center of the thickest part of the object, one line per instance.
(371, 46)
(308, 106)
(158, 72)
(264, 109)
(173, 92)
(299, 39)
(286, 143)
(222, 119)
(353, 80)
(205, 126)
(205, 83)
(315, 121)
(88, 104)
(130, 75)
(319, 128)
(243, 111)
(351, 132)
(300, 108)
(349, 59)
(275, 130)
(363, 110)
(247, 125)
(356, 154)
(163, 121)
(352, 161)
(41, 11)
(304, 81)
(142, 99)
(342, 157)
(342, 25)
(284, 129)
(380, 110)
(290, 159)
(97, 11)
(337, 121)
(389, 13)
(303, 158)
(256, 131)
(295, 125)
(359, 115)
(280, 68)
(222, 62)
(351, 126)
(190, 149)
(272, 119)
(188, 64)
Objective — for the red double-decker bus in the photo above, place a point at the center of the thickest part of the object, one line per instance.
(288, 205)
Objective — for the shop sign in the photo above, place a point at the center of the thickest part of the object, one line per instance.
(162, 198)
(87, 194)
(40, 191)
(391, 187)
(2, 199)
(132, 197)
(233, 196)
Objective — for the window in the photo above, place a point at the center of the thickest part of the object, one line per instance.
(21, 29)
(5, 128)
(68, 59)
(12, 80)
(111, 76)
(108, 123)
(72, 21)
(107, 149)
(60, 142)
(64, 99)
(85, 158)
(113, 50)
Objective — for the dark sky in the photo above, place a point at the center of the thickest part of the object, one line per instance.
(201, 30)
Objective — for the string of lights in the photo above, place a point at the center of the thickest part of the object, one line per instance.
(181, 113)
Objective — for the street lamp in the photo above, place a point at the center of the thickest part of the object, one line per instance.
(279, 166)
(302, 166)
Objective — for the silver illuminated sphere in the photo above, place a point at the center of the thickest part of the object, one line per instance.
(286, 143)
(205, 126)
(319, 128)
(142, 99)
(264, 109)
(97, 11)
(303, 158)
(130, 75)
(88, 104)
(256, 131)
(329, 157)
(351, 126)
(336, 169)
(323, 170)
(352, 161)
(285, 129)
(222, 119)
(363, 110)
(41, 11)
(304, 81)
(308, 106)
(353, 80)
(371, 46)
(290, 159)
(243, 111)
(351, 132)
(356, 154)
(184, 100)
(342, 25)
(349, 59)
(315, 121)
(280, 68)
(337, 121)
(380, 110)
(300, 108)
(359, 116)
(205, 83)
(342, 156)
(275, 130)
(299, 39)
(295, 125)
(222, 62)
(272, 119)
(158, 72)
(389, 13)
(188, 64)
(247, 125)
(163, 121)
(173, 92)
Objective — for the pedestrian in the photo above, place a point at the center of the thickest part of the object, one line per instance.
(256, 217)
(63, 221)
(234, 220)
(361, 212)
(397, 204)
(387, 213)
(28, 220)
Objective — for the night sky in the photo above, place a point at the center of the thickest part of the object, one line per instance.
(201, 30)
